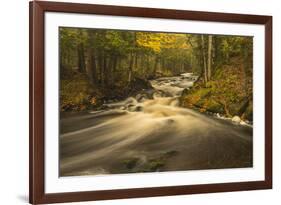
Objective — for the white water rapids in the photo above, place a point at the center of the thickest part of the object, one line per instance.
(150, 132)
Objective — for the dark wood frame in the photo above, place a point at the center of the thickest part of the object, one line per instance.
(36, 144)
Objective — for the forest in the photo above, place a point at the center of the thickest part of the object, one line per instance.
(135, 101)
(98, 66)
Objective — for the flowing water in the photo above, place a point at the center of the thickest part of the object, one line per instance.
(150, 132)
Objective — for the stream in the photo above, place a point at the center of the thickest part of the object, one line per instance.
(149, 132)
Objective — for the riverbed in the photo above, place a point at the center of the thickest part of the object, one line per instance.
(149, 132)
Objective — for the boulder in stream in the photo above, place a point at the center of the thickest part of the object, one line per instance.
(236, 119)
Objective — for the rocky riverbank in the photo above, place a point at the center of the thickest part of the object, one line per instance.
(77, 94)
(228, 94)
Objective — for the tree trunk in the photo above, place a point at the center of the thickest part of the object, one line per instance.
(114, 68)
(147, 64)
(243, 108)
(81, 58)
(133, 59)
(93, 72)
(155, 65)
(204, 59)
(101, 68)
(216, 54)
(92, 65)
(226, 110)
(136, 61)
(105, 70)
(131, 67)
(210, 56)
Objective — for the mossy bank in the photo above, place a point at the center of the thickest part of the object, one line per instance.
(228, 93)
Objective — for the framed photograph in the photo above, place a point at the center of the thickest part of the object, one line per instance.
(138, 102)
